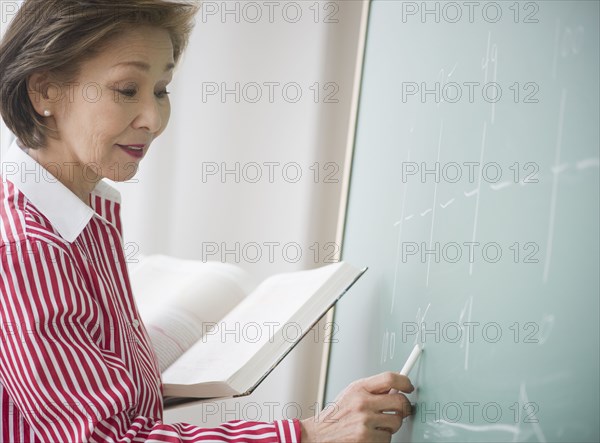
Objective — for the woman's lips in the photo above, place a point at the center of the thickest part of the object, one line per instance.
(136, 151)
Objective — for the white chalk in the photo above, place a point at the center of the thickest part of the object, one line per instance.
(412, 359)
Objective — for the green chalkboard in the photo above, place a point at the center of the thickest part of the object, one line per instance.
(474, 200)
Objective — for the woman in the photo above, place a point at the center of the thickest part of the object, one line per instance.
(84, 91)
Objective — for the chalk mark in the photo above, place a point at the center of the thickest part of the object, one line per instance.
(501, 185)
(547, 324)
(556, 45)
(481, 428)
(448, 203)
(491, 56)
(434, 202)
(421, 319)
(399, 223)
(588, 163)
(495, 58)
(561, 117)
(478, 194)
(453, 69)
(559, 168)
(466, 337)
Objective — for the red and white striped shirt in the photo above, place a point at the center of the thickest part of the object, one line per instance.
(76, 362)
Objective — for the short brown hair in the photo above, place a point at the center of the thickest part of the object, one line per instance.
(57, 36)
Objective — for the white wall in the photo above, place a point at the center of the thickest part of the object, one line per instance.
(173, 208)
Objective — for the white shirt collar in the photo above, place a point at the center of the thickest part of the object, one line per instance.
(67, 213)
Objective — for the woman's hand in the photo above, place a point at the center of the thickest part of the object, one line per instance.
(357, 414)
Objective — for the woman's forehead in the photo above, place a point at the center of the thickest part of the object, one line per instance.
(147, 50)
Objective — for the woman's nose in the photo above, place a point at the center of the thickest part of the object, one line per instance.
(149, 116)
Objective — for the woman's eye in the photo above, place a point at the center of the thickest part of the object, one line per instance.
(128, 92)
(131, 92)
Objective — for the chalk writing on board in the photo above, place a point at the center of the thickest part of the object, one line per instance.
(536, 323)
(435, 187)
(561, 117)
(388, 346)
(501, 185)
(524, 414)
(466, 338)
(557, 169)
(491, 58)
(420, 320)
(588, 163)
(546, 326)
(399, 243)
(478, 191)
(448, 203)
(567, 42)
(511, 429)
(443, 78)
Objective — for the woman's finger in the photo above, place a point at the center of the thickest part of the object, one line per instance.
(383, 382)
(393, 402)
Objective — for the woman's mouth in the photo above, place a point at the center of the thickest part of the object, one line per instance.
(136, 151)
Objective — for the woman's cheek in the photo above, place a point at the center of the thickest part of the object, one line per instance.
(165, 118)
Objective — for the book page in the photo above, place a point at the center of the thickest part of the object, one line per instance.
(179, 300)
(269, 310)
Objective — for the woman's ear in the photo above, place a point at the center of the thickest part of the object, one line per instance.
(42, 93)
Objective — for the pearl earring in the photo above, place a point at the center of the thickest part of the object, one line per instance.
(47, 113)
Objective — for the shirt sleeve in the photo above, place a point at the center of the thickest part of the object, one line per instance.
(66, 386)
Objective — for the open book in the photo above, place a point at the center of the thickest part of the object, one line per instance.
(218, 334)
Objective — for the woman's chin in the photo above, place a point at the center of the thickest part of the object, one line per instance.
(124, 172)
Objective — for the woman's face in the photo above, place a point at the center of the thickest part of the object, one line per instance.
(118, 100)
